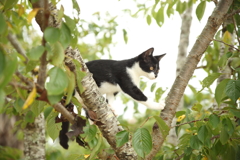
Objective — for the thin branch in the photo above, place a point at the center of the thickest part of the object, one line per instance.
(61, 109)
(181, 156)
(199, 67)
(235, 28)
(20, 85)
(227, 44)
(15, 43)
(234, 12)
(205, 119)
(216, 2)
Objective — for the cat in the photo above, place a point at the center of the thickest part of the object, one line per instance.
(113, 76)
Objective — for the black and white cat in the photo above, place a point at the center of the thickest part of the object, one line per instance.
(113, 76)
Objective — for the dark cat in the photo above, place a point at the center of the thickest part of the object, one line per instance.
(113, 76)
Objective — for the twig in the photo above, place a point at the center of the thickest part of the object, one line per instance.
(19, 85)
(205, 119)
(215, 1)
(234, 12)
(182, 155)
(146, 121)
(15, 43)
(61, 109)
(227, 44)
(199, 67)
(235, 28)
(23, 78)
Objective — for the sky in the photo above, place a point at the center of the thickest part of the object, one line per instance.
(142, 36)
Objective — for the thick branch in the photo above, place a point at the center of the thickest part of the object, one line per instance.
(181, 81)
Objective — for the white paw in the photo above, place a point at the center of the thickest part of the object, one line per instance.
(152, 105)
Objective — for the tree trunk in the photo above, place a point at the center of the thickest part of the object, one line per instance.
(186, 72)
(182, 52)
(34, 139)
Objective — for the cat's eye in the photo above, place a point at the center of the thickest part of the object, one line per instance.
(151, 68)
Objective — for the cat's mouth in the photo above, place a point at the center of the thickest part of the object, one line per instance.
(152, 76)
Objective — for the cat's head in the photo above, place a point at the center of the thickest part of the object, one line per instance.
(149, 63)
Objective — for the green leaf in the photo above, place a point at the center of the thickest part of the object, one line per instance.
(2, 99)
(65, 37)
(3, 24)
(29, 117)
(235, 112)
(58, 54)
(149, 19)
(224, 136)
(52, 34)
(153, 86)
(228, 126)
(158, 94)
(200, 10)
(233, 89)
(53, 99)
(71, 87)
(220, 91)
(202, 133)
(122, 137)
(79, 74)
(90, 132)
(197, 107)
(35, 53)
(214, 120)
(195, 143)
(180, 113)
(52, 127)
(58, 81)
(223, 59)
(162, 125)
(160, 16)
(125, 37)
(37, 107)
(70, 23)
(207, 82)
(142, 142)
(96, 149)
(8, 68)
(8, 4)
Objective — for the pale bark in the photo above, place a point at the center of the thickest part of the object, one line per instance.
(186, 72)
(34, 139)
(93, 100)
(182, 52)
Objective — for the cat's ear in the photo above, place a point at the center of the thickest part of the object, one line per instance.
(160, 57)
(147, 54)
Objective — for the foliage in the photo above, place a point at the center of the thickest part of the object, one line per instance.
(204, 130)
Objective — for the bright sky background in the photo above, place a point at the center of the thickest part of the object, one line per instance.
(141, 36)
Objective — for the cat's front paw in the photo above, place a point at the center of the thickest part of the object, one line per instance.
(153, 105)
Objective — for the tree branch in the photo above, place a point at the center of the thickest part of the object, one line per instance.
(227, 44)
(17, 46)
(181, 81)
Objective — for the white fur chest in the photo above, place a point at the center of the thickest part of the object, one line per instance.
(108, 88)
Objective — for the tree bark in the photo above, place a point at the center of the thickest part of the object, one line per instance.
(182, 52)
(186, 72)
(34, 139)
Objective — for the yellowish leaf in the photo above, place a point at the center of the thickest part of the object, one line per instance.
(21, 10)
(30, 98)
(32, 14)
(227, 37)
(180, 118)
(86, 155)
